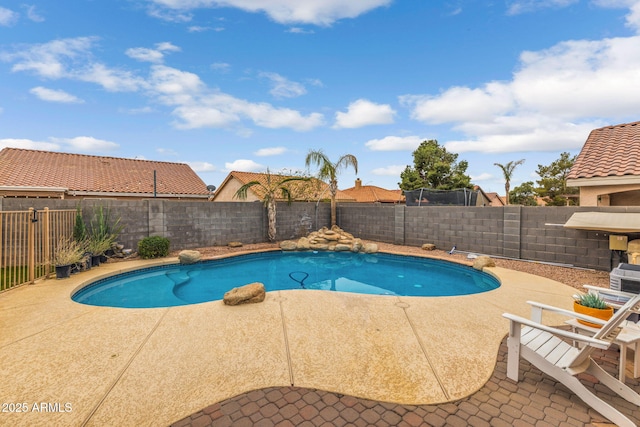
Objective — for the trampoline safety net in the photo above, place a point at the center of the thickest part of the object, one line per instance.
(431, 197)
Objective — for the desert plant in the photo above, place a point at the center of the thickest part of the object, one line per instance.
(79, 228)
(103, 226)
(271, 187)
(98, 245)
(68, 252)
(153, 247)
(329, 171)
(591, 300)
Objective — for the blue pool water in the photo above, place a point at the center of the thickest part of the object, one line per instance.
(380, 274)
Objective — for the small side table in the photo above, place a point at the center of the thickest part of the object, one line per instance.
(629, 337)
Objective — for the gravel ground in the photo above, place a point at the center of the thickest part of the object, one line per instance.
(571, 276)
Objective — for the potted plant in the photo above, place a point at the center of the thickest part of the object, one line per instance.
(592, 305)
(97, 245)
(68, 253)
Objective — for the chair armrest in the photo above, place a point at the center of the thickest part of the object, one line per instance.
(568, 313)
(558, 332)
(615, 298)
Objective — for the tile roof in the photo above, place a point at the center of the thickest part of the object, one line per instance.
(609, 151)
(373, 194)
(302, 191)
(495, 199)
(96, 174)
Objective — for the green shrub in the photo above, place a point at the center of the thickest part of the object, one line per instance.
(153, 247)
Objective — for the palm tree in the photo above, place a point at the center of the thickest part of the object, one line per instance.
(507, 172)
(272, 185)
(329, 172)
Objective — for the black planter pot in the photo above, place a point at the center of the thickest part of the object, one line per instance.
(103, 258)
(63, 271)
(95, 260)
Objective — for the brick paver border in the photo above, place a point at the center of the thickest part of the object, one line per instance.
(537, 400)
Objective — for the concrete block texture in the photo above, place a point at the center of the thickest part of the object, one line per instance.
(532, 233)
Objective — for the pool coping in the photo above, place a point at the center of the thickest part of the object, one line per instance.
(158, 365)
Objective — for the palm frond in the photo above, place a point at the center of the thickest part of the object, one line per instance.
(241, 193)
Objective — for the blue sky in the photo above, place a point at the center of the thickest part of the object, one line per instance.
(249, 84)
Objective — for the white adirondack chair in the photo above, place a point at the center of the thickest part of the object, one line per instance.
(545, 349)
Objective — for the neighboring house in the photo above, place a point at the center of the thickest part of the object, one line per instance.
(308, 191)
(47, 174)
(495, 199)
(607, 170)
(372, 194)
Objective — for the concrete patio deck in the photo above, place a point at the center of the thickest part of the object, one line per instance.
(72, 364)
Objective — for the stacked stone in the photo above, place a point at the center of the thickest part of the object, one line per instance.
(325, 239)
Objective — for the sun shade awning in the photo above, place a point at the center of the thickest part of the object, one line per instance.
(617, 222)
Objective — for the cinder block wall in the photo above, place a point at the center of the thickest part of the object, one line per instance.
(192, 224)
(520, 232)
(530, 233)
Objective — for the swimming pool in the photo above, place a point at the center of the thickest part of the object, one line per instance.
(379, 274)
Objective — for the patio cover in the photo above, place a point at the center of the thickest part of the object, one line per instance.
(618, 222)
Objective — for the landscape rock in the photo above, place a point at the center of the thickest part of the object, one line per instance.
(429, 247)
(234, 244)
(288, 245)
(370, 248)
(247, 294)
(189, 257)
(303, 244)
(341, 247)
(482, 262)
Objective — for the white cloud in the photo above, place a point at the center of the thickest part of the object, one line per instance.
(53, 59)
(392, 170)
(482, 177)
(151, 55)
(87, 144)
(29, 144)
(167, 151)
(298, 30)
(271, 151)
(461, 104)
(222, 67)
(8, 17)
(55, 95)
(194, 104)
(202, 166)
(551, 100)
(281, 87)
(523, 6)
(243, 165)
(145, 54)
(395, 143)
(364, 113)
(32, 14)
(318, 12)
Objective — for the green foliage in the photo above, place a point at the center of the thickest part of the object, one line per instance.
(507, 173)
(103, 225)
(79, 228)
(524, 194)
(591, 300)
(273, 185)
(153, 247)
(102, 231)
(328, 171)
(434, 167)
(552, 185)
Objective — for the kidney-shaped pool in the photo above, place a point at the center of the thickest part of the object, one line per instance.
(379, 274)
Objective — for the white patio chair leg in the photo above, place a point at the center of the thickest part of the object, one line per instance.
(615, 385)
(602, 407)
